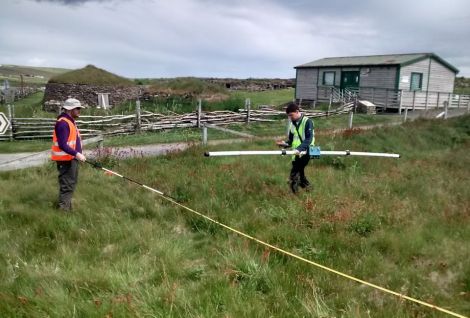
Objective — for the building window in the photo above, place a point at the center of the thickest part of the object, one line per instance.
(416, 83)
(329, 78)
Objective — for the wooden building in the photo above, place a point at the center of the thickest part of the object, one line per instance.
(418, 80)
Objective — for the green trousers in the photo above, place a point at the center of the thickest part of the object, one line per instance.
(68, 178)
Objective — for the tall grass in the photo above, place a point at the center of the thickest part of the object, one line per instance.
(402, 224)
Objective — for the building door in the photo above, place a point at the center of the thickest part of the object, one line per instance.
(349, 79)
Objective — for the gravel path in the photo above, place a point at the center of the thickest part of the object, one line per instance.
(15, 161)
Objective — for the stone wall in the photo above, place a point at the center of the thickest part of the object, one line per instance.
(252, 84)
(87, 94)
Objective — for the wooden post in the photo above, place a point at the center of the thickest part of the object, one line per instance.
(446, 105)
(373, 95)
(386, 98)
(449, 99)
(10, 118)
(331, 98)
(460, 97)
(400, 103)
(438, 97)
(468, 106)
(204, 135)
(426, 101)
(406, 114)
(248, 110)
(199, 112)
(414, 98)
(350, 124)
(138, 121)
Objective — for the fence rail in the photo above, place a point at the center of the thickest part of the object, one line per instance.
(89, 126)
(387, 98)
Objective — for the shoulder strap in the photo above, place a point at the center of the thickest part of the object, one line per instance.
(297, 128)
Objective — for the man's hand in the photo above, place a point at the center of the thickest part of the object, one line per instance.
(297, 153)
(281, 143)
(80, 157)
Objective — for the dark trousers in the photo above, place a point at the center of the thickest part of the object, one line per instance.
(68, 177)
(297, 173)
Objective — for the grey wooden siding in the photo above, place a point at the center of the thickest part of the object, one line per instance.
(442, 78)
(384, 77)
(306, 83)
(418, 67)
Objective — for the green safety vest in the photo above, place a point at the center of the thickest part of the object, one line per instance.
(299, 134)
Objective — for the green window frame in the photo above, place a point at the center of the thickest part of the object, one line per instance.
(416, 81)
(328, 73)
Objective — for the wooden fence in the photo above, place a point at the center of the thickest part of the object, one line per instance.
(141, 121)
(387, 98)
(16, 93)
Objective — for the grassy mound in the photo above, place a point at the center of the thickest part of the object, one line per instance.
(91, 75)
(402, 224)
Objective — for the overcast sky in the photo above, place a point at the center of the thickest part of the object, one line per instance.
(237, 38)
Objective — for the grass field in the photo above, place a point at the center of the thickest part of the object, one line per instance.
(270, 97)
(124, 252)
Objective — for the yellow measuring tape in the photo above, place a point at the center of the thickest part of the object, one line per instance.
(402, 296)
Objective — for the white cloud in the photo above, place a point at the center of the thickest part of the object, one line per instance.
(153, 38)
(36, 61)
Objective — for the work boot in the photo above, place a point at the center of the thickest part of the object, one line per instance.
(294, 184)
(304, 184)
(65, 206)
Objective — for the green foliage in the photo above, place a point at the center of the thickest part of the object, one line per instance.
(30, 106)
(462, 85)
(188, 85)
(269, 97)
(233, 103)
(365, 224)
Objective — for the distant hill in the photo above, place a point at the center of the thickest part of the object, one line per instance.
(91, 75)
(31, 74)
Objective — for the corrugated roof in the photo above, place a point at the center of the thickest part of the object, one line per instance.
(391, 59)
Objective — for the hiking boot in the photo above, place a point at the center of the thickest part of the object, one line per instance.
(304, 184)
(65, 207)
(294, 184)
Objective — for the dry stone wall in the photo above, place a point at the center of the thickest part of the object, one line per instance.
(87, 94)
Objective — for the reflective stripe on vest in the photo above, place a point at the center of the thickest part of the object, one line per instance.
(58, 154)
(298, 139)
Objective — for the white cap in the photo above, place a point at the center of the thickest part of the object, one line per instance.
(72, 103)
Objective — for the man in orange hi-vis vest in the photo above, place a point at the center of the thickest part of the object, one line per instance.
(67, 151)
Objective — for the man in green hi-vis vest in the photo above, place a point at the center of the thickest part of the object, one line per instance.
(301, 137)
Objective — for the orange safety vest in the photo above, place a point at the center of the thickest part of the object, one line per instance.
(57, 153)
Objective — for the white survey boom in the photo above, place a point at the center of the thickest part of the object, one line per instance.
(315, 152)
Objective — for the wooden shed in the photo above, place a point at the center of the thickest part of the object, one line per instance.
(417, 80)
